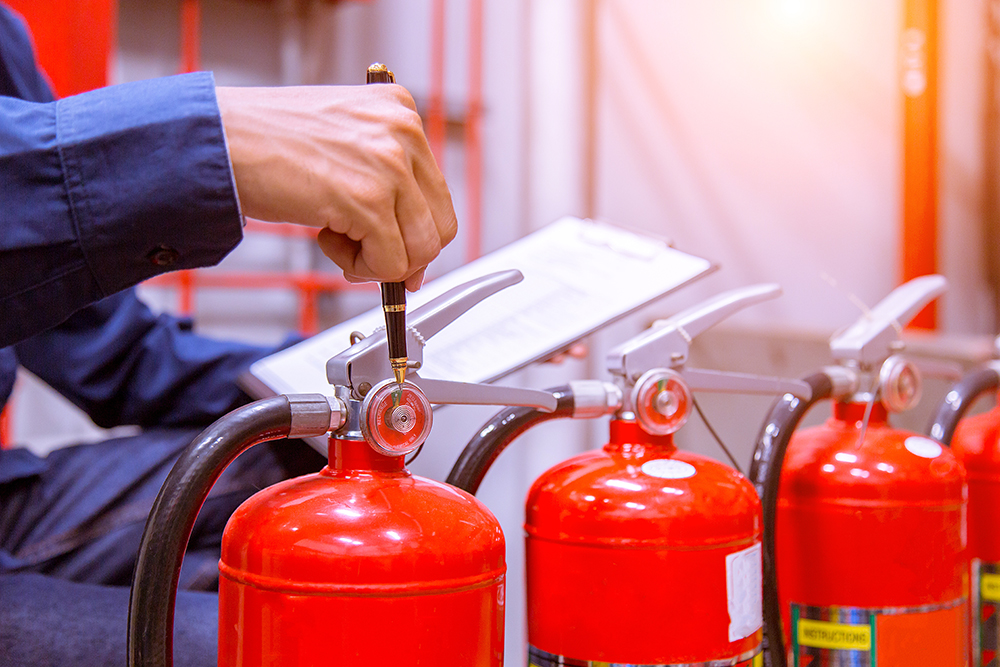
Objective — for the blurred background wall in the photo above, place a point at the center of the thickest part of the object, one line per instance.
(765, 135)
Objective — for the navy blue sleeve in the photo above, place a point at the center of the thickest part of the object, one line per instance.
(97, 192)
(121, 364)
(105, 189)
(19, 75)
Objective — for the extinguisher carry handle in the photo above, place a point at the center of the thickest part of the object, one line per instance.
(870, 340)
(960, 398)
(367, 361)
(667, 343)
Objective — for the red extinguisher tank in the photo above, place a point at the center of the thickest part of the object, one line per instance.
(975, 441)
(361, 564)
(641, 554)
(865, 557)
(977, 446)
(870, 538)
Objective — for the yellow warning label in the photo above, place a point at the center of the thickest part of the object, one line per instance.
(758, 660)
(989, 587)
(822, 634)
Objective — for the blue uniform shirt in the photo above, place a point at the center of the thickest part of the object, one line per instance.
(98, 192)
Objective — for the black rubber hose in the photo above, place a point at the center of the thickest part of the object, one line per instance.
(168, 528)
(765, 474)
(958, 401)
(484, 448)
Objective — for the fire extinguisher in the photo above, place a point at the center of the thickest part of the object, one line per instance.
(864, 524)
(361, 564)
(975, 441)
(639, 554)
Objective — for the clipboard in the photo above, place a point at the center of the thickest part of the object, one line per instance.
(579, 276)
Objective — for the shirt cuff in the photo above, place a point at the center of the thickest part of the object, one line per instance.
(148, 178)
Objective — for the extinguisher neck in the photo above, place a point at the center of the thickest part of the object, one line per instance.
(349, 454)
(629, 438)
(853, 412)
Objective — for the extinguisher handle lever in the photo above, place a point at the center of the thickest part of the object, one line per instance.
(467, 393)
(668, 342)
(723, 381)
(367, 361)
(871, 339)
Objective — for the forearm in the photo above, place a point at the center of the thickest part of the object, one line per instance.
(106, 189)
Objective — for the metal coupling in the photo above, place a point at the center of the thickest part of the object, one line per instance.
(595, 398)
(845, 381)
(315, 414)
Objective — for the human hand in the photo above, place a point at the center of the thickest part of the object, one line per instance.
(352, 160)
(574, 351)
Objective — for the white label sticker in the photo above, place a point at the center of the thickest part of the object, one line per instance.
(668, 469)
(745, 591)
(923, 447)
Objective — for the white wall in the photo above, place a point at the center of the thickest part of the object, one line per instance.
(762, 134)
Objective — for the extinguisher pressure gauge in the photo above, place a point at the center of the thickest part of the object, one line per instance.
(395, 418)
(900, 385)
(662, 401)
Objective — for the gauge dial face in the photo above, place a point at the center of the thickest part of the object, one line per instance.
(662, 401)
(396, 418)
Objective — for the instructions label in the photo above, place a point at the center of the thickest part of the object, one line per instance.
(989, 586)
(823, 634)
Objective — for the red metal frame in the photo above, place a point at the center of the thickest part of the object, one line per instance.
(436, 115)
(919, 85)
(73, 40)
(473, 133)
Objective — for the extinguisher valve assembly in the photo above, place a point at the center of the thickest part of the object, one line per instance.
(651, 370)
(868, 354)
(651, 385)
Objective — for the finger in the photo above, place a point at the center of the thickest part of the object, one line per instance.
(382, 252)
(380, 255)
(355, 279)
(345, 253)
(414, 282)
(416, 226)
(432, 185)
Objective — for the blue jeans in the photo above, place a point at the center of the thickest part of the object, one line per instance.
(69, 536)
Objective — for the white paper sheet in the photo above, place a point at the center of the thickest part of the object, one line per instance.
(579, 275)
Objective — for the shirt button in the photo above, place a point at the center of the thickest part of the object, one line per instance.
(163, 255)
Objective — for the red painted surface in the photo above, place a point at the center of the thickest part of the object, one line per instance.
(977, 445)
(626, 567)
(362, 564)
(74, 40)
(874, 526)
(918, 74)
